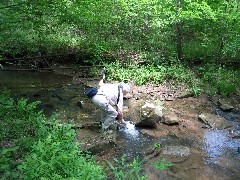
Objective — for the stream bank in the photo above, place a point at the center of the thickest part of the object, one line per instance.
(198, 148)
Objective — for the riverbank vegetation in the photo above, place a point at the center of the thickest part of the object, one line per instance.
(208, 78)
(156, 39)
(33, 147)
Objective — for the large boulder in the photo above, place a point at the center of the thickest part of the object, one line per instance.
(145, 114)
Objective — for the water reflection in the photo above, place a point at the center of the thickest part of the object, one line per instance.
(26, 79)
(216, 143)
(221, 147)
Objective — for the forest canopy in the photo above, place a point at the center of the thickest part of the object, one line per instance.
(202, 30)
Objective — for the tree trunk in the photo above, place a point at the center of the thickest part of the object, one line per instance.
(179, 33)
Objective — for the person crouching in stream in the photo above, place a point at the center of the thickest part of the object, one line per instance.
(108, 96)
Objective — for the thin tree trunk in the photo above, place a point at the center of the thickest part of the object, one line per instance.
(179, 33)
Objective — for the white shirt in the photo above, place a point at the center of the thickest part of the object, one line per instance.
(111, 92)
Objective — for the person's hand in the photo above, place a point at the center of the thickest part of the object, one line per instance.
(123, 121)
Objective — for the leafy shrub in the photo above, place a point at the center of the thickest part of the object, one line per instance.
(226, 89)
(20, 118)
(143, 74)
(19, 123)
(162, 165)
(219, 79)
(56, 157)
(8, 163)
(123, 170)
(195, 89)
(46, 151)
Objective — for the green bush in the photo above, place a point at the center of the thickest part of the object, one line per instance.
(226, 89)
(38, 149)
(219, 79)
(57, 157)
(162, 164)
(20, 118)
(143, 74)
(19, 124)
(123, 170)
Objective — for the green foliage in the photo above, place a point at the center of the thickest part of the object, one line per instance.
(8, 164)
(195, 89)
(20, 119)
(157, 145)
(226, 89)
(19, 123)
(56, 156)
(51, 152)
(162, 165)
(219, 79)
(148, 73)
(123, 170)
(209, 29)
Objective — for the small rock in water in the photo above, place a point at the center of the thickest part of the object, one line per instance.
(176, 150)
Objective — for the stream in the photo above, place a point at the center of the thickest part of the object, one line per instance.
(202, 153)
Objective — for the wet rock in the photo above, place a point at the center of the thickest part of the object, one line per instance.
(146, 114)
(215, 121)
(136, 97)
(236, 117)
(225, 106)
(176, 150)
(234, 136)
(184, 94)
(151, 153)
(170, 118)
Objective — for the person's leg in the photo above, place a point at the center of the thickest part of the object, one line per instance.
(111, 115)
(101, 102)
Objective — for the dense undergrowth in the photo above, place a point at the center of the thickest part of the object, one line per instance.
(33, 147)
(207, 78)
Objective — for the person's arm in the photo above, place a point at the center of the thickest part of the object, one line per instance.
(100, 84)
(120, 117)
(119, 109)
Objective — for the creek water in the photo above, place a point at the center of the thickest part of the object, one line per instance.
(215, 156)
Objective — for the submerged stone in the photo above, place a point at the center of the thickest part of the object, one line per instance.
(176, 150)
(214, 121)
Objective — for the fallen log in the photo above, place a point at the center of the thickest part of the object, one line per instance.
(36, 57)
